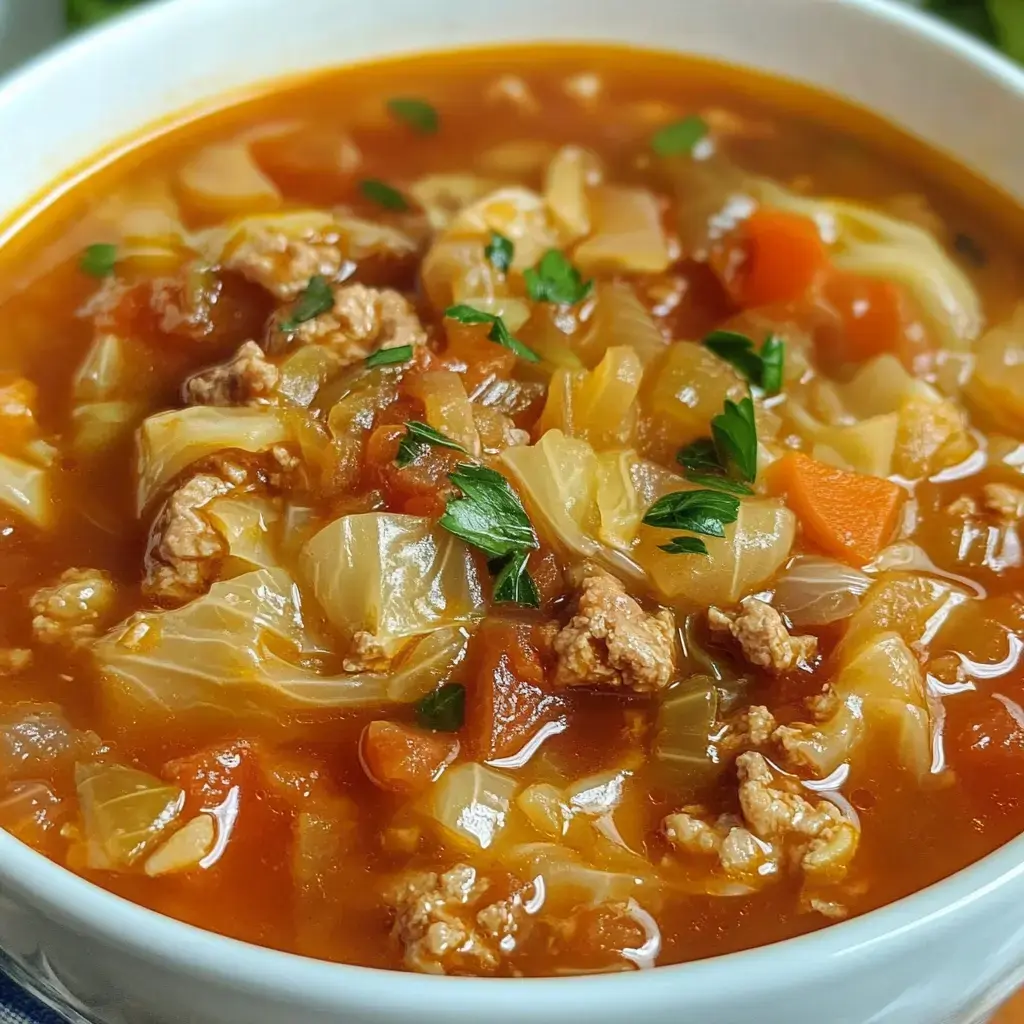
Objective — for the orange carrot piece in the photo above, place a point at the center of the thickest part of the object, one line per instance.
(872, 313)
(401, 759)
(848, 515)
(781, 257)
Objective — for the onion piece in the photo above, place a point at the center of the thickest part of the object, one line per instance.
(471, 803)
(814, 591)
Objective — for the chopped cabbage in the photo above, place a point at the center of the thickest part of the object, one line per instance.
(305, 372)
(687, 716)
(754, 548)
(101, 375)
(865, 447)
(627, 233)
(571, 172)
(170, 441)
(226, 655)
(880, 693)
(391, 577)
(224, 179)
(124, 813)
(620, 507)
(186, 849)
(444, 196)
(866, 241)
(37, 741)
(814, 591)
(471, 803)
(447, 408)
(996, 389)
(26, 490)
(424, 666)
(620, 318)
(96, 426)
(249, 527)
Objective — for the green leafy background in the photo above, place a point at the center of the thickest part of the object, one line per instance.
(999, 22)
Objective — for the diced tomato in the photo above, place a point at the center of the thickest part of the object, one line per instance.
(401, 759)
(984, 738)
(471, 353)
(421, 488)
(507, 699)
(209, 776)
(546, 570)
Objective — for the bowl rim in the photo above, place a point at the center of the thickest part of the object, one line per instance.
(89, 910)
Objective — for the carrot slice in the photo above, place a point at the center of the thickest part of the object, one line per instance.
(780, 257)
(402, 759)
(848, 515)
(507, 701)
(872, 314)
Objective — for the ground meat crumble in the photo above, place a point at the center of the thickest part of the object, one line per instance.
(612, 641)
(75, 608)
(248, 378)
(763, 637)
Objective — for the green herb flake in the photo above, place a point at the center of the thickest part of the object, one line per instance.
(719, 482)
(99, 260)
(498, 333)
(700, 456)
(680, 137)
(419, 115)
(489, 515)
(499, 252)
(418, 436)
(735, 436)
(381, 193)
(705, 512)
(762, 368)
(556, 280)
(318, 298)
(512, 582)
(389, 356)
(444, 710)
(685, 546)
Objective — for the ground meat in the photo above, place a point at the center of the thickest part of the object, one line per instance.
(249, 378)
(442, 928)
(362, 321)
(612, 641)
(1004, 501)
(283, 261)
(75, 608)
(14, 660)
(367, 654)
(185, 549)
(763, 637)
(751, 728)
(779, 828)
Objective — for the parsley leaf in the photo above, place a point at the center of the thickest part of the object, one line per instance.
(512, 582)
(680, 137)
(735, 435)
(490, 515)
(383, 194)
(499, 252)
(419, 115)
(417, 437)
(498, 332)
(555, 279)
(762, 368)
(317, 298)
(685, 546)
(719, 482)
(99, 260)
(444, 710)
(700, 456)
(389, 356)
(704, 512)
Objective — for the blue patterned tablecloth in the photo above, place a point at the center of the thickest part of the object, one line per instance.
(18, 1007)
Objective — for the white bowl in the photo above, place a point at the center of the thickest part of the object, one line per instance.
(946, 954)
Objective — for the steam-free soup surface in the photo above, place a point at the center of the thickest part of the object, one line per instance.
(523, 512)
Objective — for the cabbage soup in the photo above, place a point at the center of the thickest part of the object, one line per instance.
(526, 512)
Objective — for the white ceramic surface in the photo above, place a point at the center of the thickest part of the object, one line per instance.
(944, 955)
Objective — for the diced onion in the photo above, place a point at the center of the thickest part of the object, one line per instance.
(815, 591)
(472, 803)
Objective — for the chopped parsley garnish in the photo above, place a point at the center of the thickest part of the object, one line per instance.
(680, 137)
(490, 517)
(735, 435)
(704, 512)
(99, 260)
(762, 368)
(512, 582)
(316, 299)
(444, 710)
(498, 332)
(389, 356)
(418, 436)
(555, 279)
(731, 452)
(419, 115)
(383, 194)
(499, 252)
(685, 546)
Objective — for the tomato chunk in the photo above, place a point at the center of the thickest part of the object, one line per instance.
(401, 759)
